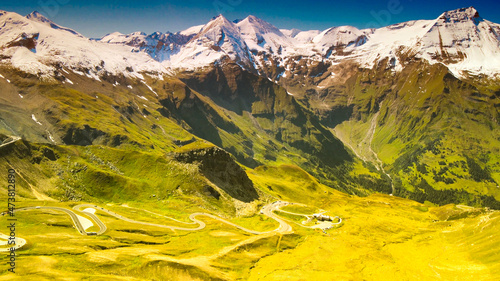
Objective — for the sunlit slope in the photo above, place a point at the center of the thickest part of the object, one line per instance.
(102, 174)
(381, 236)
(291, 183)
(388, 238)
(127, 251)
(382, 250)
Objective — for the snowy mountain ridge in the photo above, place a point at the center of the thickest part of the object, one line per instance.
(36, 45)
(463, 41)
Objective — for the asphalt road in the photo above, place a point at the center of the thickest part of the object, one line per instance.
(100, 224)
(192, 217)
(73, 216)
(267, 210)
(201, 224)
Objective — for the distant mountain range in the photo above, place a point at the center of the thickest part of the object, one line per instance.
(410, 109)
(460, 39)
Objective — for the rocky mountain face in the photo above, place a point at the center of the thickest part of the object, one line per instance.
(218, 166)
(409, 109)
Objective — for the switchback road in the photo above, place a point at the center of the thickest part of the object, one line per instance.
(73, 216)
(284, 226)
(267, 210)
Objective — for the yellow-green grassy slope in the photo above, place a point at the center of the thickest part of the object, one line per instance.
(381, 237)
(384, 238)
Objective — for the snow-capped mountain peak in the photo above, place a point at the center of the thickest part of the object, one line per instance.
(259, 25)
(158, 45)
(260, 35)
(216, 30)
(217, 39)
(218, 22)
(37, 17)
(461, 15)
(463, 41)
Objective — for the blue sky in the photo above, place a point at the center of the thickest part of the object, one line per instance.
(94, 18)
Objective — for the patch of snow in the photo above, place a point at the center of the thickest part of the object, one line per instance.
(139, 76)
(130, 87)
(51, 137)
(79, 72)
(94, 76)
(34, 119)
(21, 96)
(306, 36)
(151, 89)
(143, 97)
(24, 60)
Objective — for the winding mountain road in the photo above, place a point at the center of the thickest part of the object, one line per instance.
(100, 224)
(268, 211)
(72, 214)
